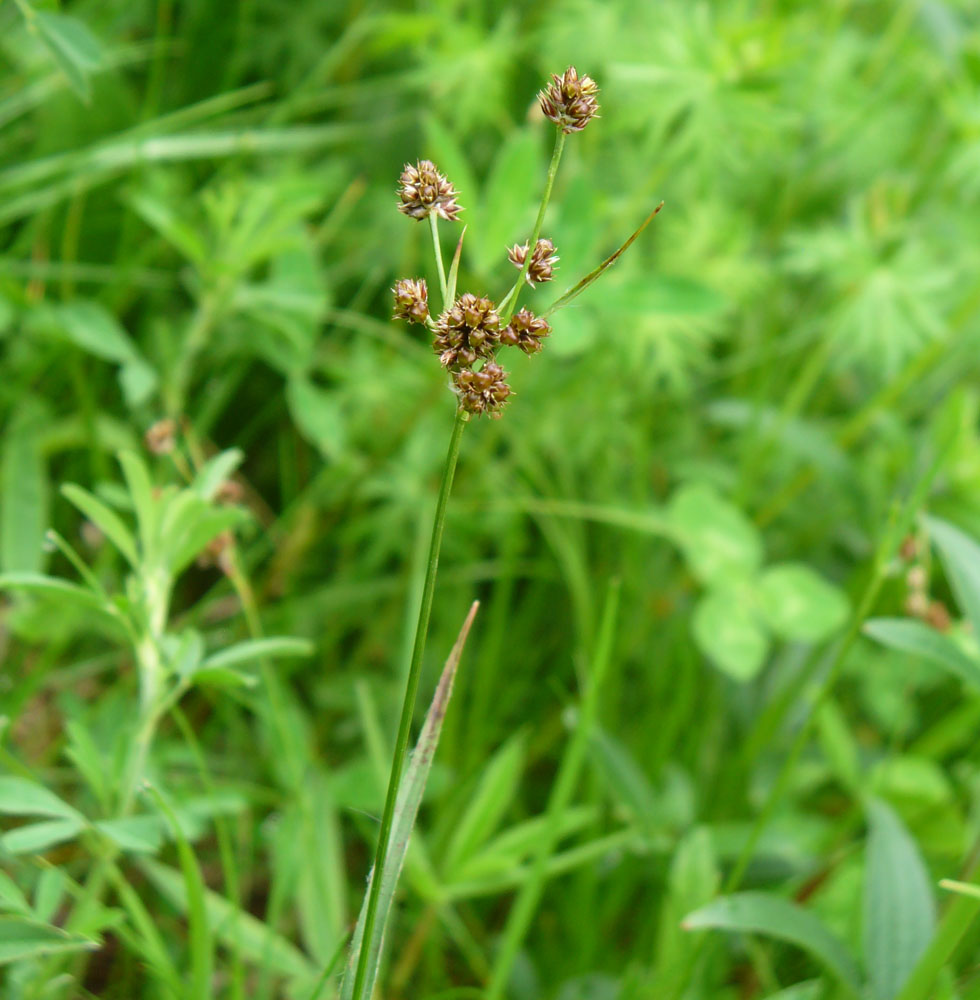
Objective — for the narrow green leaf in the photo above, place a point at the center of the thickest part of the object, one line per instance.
(216, 471)
(899, 909)
(772, 916)
(961, 557)
(271, 647)
(406, 810)
(105, 519)
(23, 499)
(75, 49)
(594, 274)
(492, 797)
(38, 837)
(21, 938)
(11, 897)
(914, 637)
(94, 329)
(53, 587)
(21, 797)
(199, 929)
(235, 928)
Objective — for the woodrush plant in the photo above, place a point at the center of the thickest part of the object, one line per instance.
(467, 335)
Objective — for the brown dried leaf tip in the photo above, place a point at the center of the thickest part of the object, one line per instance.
(467, 330)
(569, 101)
(411, 300)
(423, 191)
(543, 260)
(484, 391)
(525, 331)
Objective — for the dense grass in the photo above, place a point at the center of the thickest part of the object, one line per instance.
(719, 468)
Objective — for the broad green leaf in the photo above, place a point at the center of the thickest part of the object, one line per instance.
(727, 630)
(162, 216)
(492, 797)
(406, 809)
(223, 677)
(915, 637)
(507, 207)
(773, 916)
(718, 541)
(48, 892)
(899, 908)
(21, 797)
(317, 415)
(961, 557)
(75, 49)
(105, 519)
(138, 380)
(21, 938)
(797, 604)
(259, 944)
(200, 524)
(271, 647)
(23, 499)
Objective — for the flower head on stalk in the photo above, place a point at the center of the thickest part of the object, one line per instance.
(411, 300)
(569, 100)
(483, 391)
(467, 330)
(423, 191)
(543, 260)
(525, 331)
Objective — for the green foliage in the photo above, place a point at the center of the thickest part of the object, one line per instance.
(762, 419)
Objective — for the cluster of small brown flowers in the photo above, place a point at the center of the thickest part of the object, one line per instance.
(483, 391)
(525, 331)
(543, 260)
(161, 438)
(423, 191)
(411, 300)
(467, 330)
(569, 100)
(918, 602)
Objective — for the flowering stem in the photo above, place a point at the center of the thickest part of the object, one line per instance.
(509, 304)
(434, 223)
(408, 702)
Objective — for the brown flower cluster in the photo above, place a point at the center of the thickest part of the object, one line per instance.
(569, 100)
(471, 329)
(543, 260)
(423, 191)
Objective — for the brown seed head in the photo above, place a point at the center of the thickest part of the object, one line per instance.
(543, 260)
(569, 101)
(484, 391)
(423, 191)
(467, 330)
(161, 438)
(525, 331)
(411, 300)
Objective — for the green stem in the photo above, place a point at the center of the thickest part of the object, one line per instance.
(434, 224)
(408, 703)
(509, 304)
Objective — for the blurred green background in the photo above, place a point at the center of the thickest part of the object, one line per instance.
(197, 217)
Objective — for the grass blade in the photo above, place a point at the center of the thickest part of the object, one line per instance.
(409, 800)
